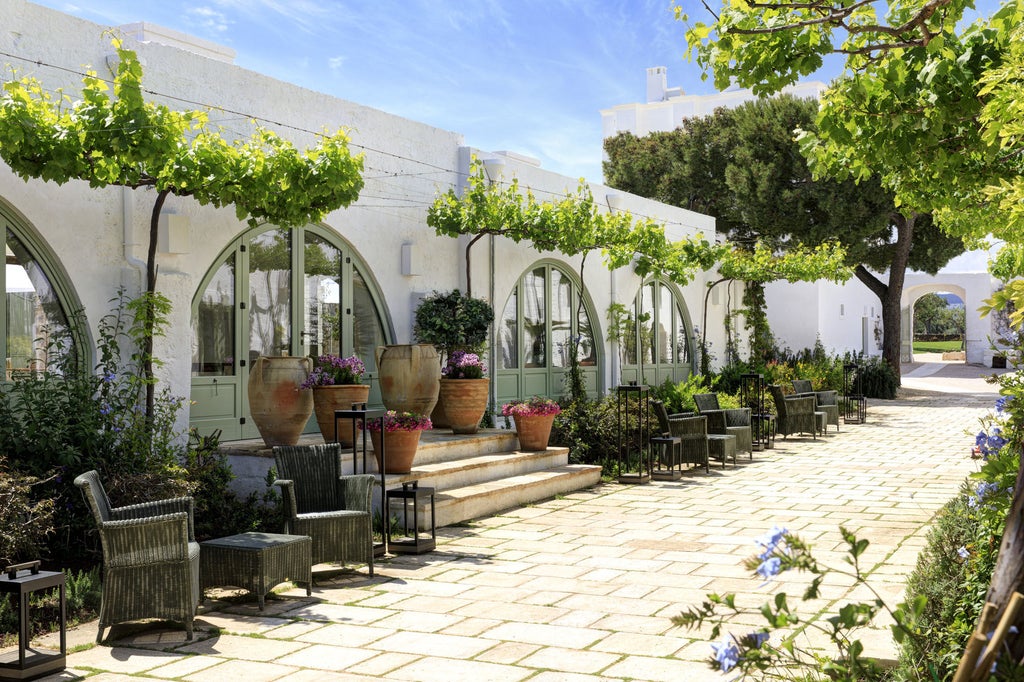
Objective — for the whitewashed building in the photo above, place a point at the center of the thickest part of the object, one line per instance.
(71, 247)
(844, 317)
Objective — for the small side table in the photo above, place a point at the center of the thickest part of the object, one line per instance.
(418, 537)
(722, 446)
(765, 423)
(28, 663)
(669, 458)
(256, 562)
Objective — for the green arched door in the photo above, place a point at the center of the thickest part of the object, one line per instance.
(538, 324)
(656, 340)
(278, 292)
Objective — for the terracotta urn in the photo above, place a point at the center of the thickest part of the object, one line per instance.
(400, 449)
(533, 431)
(327, 399)
(278, 405)
(408, 376)
(465, 401)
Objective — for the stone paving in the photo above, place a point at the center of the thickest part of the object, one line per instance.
(582, 587)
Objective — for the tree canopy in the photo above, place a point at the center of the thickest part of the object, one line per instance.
(744, 166)
(932, 108)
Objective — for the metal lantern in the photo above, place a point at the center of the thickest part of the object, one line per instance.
(855, 405)
(752, 395)
(632, 400)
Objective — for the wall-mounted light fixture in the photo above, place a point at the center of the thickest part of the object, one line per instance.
(615, 201)
(494, 168)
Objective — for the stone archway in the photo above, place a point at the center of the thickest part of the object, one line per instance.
(910, 296)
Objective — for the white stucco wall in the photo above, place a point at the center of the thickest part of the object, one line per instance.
(98, 236)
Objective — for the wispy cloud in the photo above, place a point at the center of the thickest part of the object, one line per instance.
(208, 20)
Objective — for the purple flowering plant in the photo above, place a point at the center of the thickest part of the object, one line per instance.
(534, 407)
(789, 656)
(332, 370)
(463, 365)
(401, 421)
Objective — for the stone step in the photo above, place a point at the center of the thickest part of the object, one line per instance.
(464, 471)
(482, 499)
(441, 445)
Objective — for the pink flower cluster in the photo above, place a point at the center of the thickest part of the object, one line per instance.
(404, 421)
(332, 370)
(462, 365)
(534, 407)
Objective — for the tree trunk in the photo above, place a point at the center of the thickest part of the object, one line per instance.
(890, 294)
(150, 322)
(1008, 575)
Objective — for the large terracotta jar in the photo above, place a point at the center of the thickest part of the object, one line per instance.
(400, 449)
(408, 377)
(279, 407)
(465, 401)
(327, 399)
(533, 431)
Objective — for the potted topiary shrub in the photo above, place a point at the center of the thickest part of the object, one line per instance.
(453, 323)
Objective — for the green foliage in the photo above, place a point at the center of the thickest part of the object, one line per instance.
(125, 140)
(589, 428)
(453, 322)
(876, 379)
(71, 418)
(679, 397)
(572, 225)
(219, 511)
(26, 520)
(925, 101)
(82, 591)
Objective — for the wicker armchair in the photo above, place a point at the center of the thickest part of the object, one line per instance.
(727, 422)
(335, 510)
(794, 414)
(691, 431)
(827, 401)
(150, 558)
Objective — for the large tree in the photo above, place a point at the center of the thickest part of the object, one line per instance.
(744, 166)
(129, 141)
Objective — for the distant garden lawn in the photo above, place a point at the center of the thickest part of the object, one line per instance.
(937, 346)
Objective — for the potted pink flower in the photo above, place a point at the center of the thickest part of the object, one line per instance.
(401, 439)
(464, 391)
(337, 385)
(534, 418)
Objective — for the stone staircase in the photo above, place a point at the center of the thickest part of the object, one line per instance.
(473, 475)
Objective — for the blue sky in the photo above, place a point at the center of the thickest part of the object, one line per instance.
(529, 76)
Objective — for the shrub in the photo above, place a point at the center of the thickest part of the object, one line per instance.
(679, 397)
(82, 593)
(589, 428)
(877, 379)
(26, 522)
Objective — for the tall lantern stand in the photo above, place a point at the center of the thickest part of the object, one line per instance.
(752, 395)
(27, 663)
(358, 419)
(855, 405)
(632, 402)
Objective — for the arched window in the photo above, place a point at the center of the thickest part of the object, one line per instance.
(35, 307)
(278, 292)
(656, 338)
(541, 319)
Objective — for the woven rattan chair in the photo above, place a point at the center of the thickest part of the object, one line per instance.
(335, 510)
(794, 415)
(150, 558)
(691, 431)
(727, 422)
(827, 401)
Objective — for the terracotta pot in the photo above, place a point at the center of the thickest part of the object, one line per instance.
(439, 418)
(278, 406)
(465, 401)
(400, 449)
(534, 431)
(327, 399)
(408, 376)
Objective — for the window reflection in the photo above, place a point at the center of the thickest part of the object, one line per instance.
(509, 333)
(561, 319)
(367, 325)
(34, 316)
(534, 314)
(270, 294)
(213, 332)
(322, 297)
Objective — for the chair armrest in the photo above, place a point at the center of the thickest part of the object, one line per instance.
(138, 542)
(291, 505)
(682, 415)
(145, 510)
(357, 491)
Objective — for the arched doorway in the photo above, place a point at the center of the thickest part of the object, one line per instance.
(535, 334)
(278, 292)
(929, 293)
(37, 300)
(656, 340)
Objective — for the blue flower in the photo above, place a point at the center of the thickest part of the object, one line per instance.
(106, 409)
(1001, 403)
(108, 377)
(727, 654)
(963, 553)
(770, 568)
(757, 639)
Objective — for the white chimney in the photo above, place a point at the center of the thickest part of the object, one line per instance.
(657, 83)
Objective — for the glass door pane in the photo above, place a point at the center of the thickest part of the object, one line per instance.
(270, 294)
(534, 318)
(321, 306)
(367, 324)
(509, 333)
(213, 329)
(664, 340)
(561, 319)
